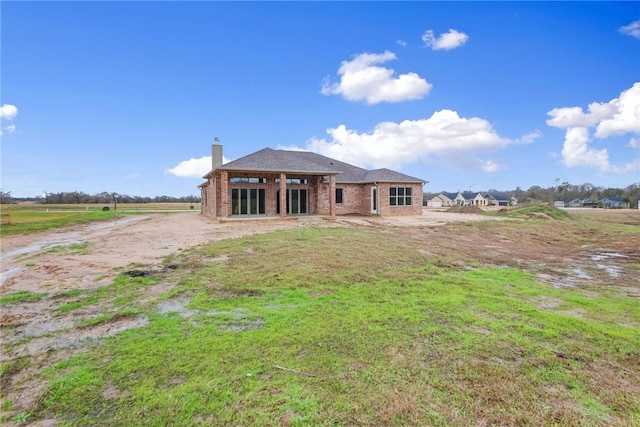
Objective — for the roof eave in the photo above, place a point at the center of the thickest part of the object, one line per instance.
(292, 171)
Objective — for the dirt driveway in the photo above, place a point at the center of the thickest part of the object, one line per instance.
(87, 256)
(91, 255)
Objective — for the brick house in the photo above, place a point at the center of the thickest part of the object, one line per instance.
(280, 183)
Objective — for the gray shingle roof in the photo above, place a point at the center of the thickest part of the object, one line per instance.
(498, 196)
(469, 195)
(306, 162)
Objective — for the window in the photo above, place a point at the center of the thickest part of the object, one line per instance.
(294, 181)
(338, 195)
(400, 196)
(247, 180)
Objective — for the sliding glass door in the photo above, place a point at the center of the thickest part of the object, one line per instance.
(248, 201)
(296, 201)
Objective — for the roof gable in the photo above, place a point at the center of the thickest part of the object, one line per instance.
(470, 196)
(388, 175)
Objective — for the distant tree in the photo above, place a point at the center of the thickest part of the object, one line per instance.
(534, 193)
(561, 190)
(612, 192)
(5, 197)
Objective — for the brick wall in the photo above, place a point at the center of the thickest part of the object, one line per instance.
(356, 198)
(385, 209)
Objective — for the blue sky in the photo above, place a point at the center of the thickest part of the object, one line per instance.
(127, 97)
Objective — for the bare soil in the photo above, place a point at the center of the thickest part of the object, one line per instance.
(48, 262)
(89, 256)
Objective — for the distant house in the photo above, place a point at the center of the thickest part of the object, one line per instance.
(283, 183)
(581, 203)
(613, 203)
(471, 199)
(497, 199)
(442, 200)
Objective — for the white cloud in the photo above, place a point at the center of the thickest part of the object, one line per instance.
(456, 140)
(624, 114)
(446, 41)
(490, 166)
(361, 79)
(634, 143)
(193, 168)
(576, 150)
(8, 111)
(632, 29)
(401, 43)
(620, 116)
(8, 129)
(530, 137)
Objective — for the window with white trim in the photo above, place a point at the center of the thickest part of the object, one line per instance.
(400, 196)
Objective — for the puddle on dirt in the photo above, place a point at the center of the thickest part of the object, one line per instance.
(581, 274)
(43, 338)
(606, 255)
(46, 326)
(66, 239)
(239, 316)
(12, 272)
(609, 268)
(177, 305)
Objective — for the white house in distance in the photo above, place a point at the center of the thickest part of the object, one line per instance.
(468, 198)
(442, 200)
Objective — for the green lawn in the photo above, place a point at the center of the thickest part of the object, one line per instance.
(30, 221)
(31, 218)
(347, 327)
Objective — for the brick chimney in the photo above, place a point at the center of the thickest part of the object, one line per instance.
(216, 153)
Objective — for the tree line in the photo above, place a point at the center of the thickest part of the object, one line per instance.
(559, 191)
(78, 197)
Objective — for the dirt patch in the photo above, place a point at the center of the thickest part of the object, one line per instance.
(28, 265)
(466, 209)
(139, 246)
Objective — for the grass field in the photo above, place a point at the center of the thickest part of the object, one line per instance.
(349, 326)
(31, 217)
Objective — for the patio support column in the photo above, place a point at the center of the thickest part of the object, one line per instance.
(332, 195)
(283, 194)
(224, 195)
(212, 196)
